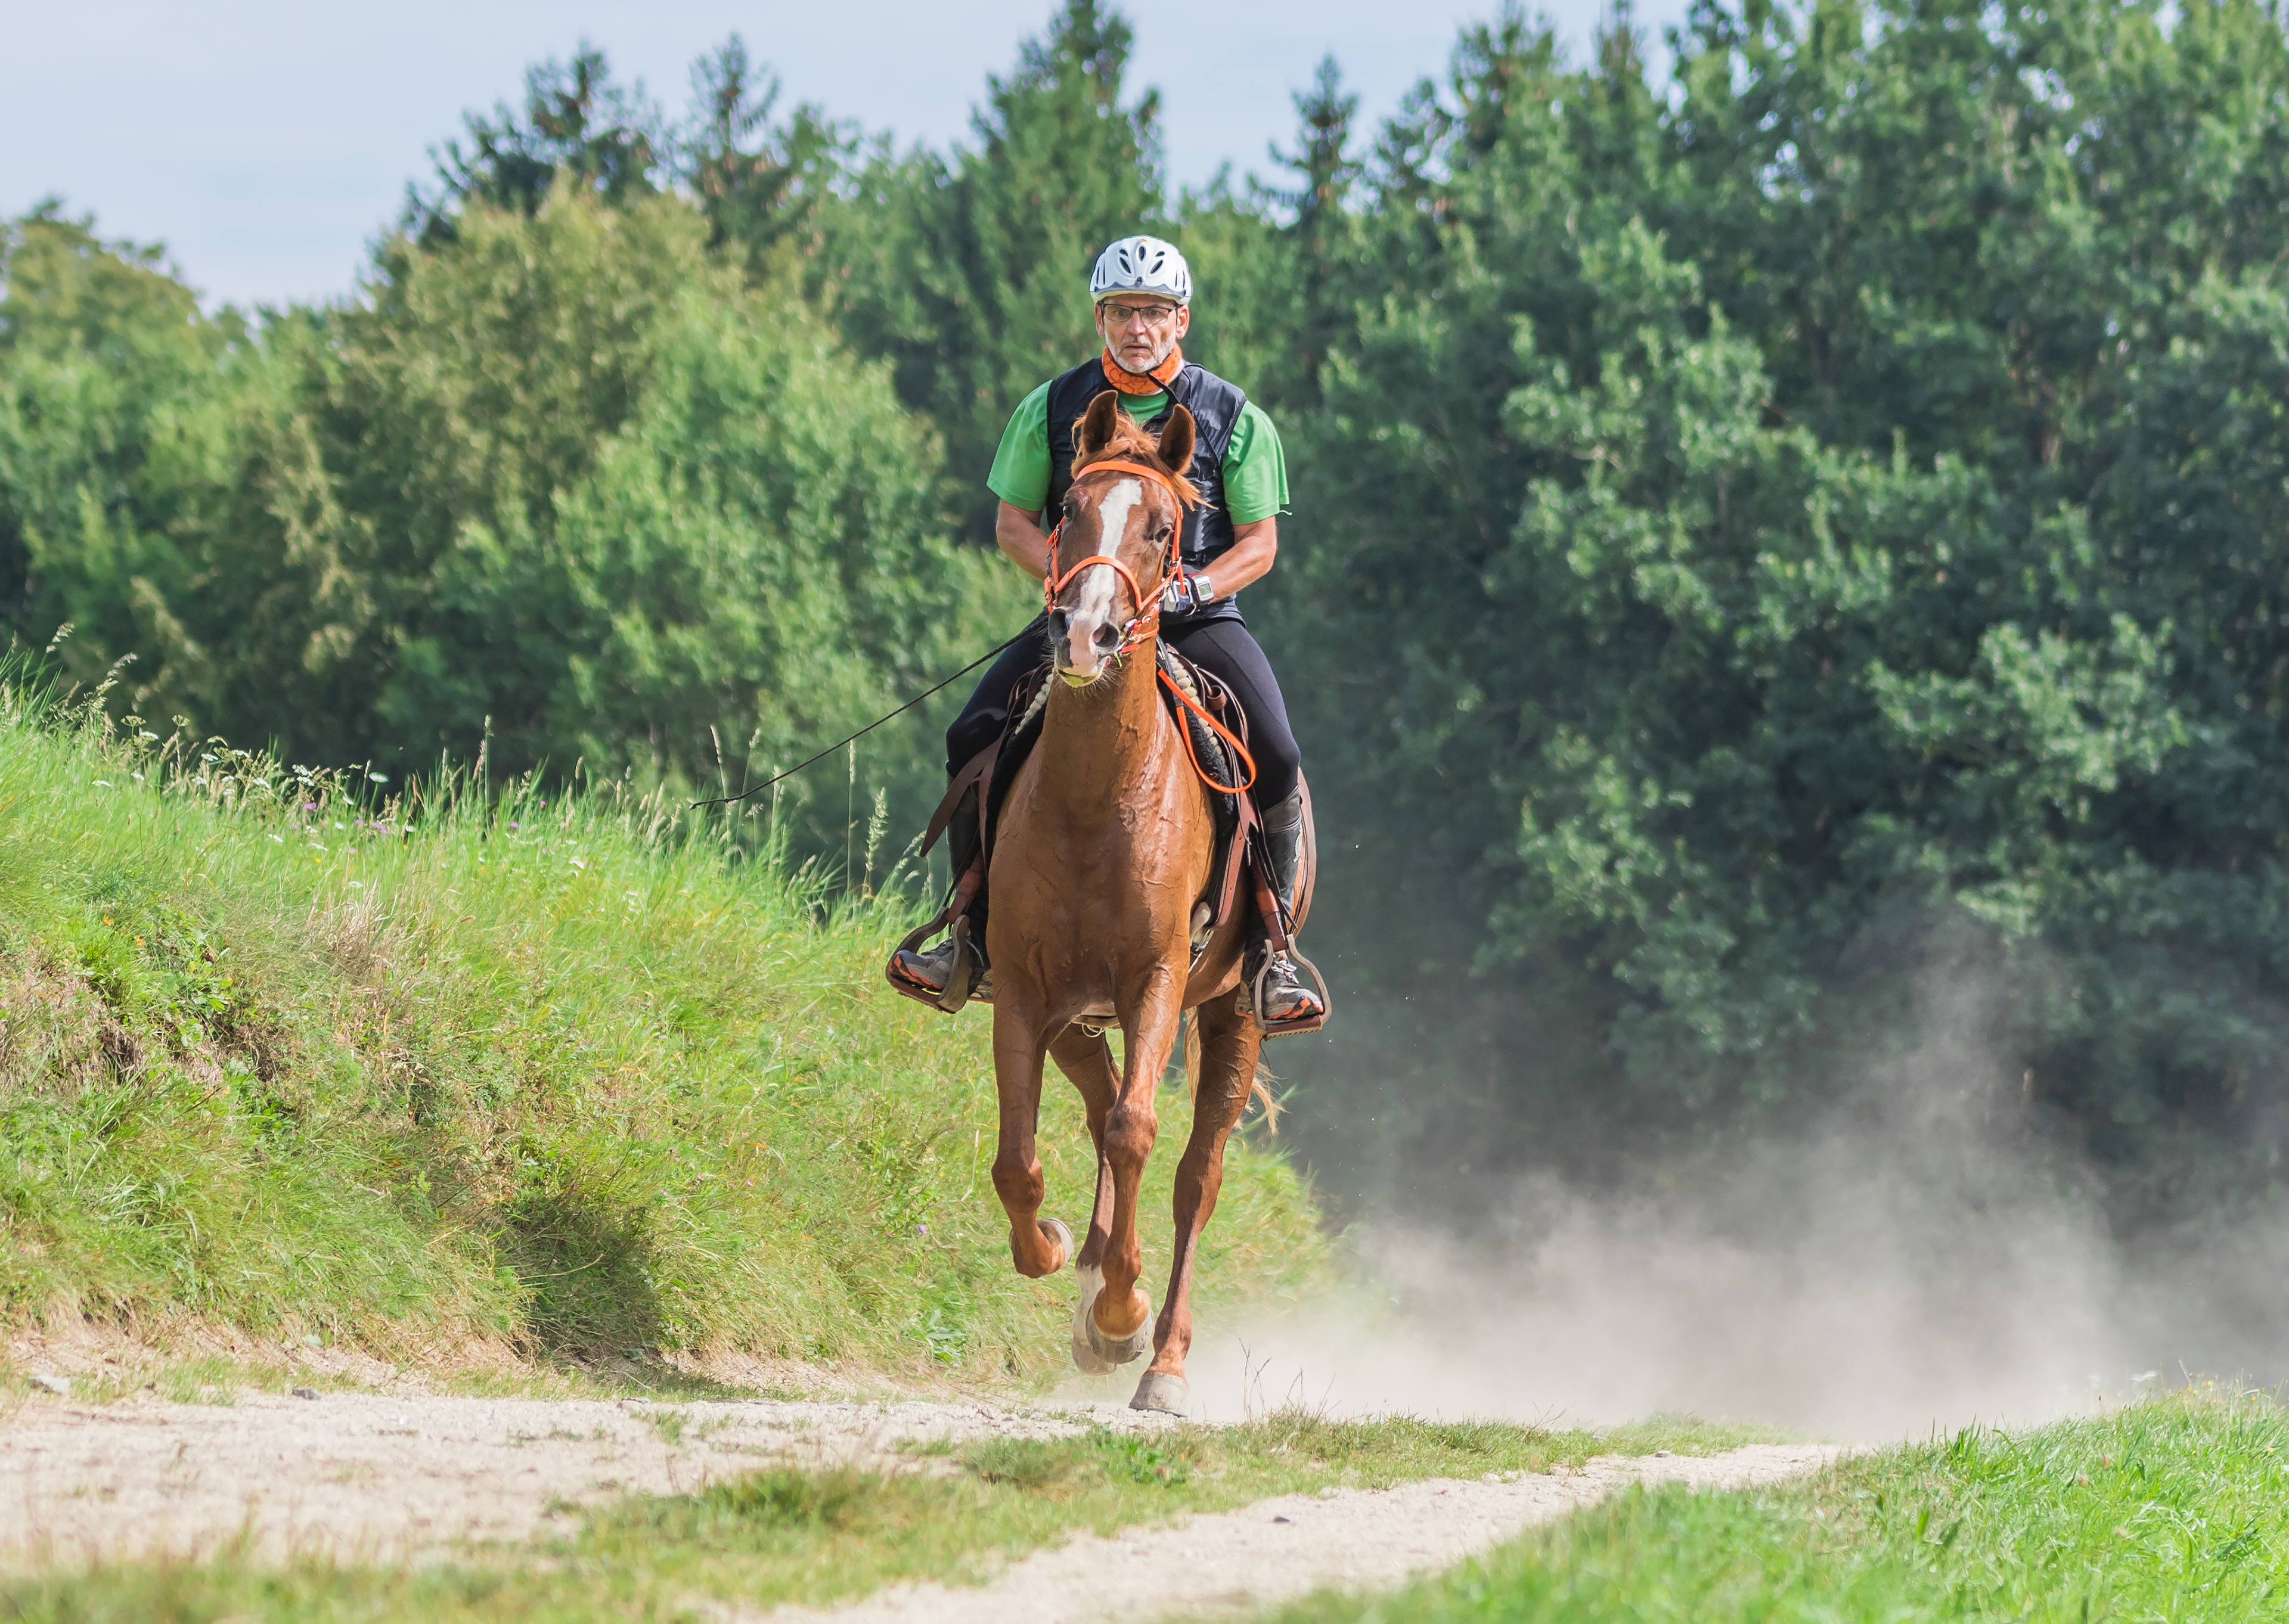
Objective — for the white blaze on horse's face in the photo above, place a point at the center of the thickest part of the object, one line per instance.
(1100, 589)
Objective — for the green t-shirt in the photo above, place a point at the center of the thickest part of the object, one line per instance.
(1255, 468)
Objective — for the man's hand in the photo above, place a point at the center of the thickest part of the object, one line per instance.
(1186, 591)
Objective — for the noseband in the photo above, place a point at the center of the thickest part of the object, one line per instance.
(1146, 622)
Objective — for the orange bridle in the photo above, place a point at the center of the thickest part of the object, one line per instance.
(1145, 623)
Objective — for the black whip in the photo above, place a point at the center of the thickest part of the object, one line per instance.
(728, 799)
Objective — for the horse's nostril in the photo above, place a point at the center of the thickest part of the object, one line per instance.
(1107, 637)
(1058, 621)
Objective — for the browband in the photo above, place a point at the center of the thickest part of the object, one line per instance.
(1147, 469)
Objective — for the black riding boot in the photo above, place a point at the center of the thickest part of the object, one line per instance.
(1284, 1000)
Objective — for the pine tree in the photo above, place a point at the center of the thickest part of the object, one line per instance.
(609, 139)
(1322, 161)
(972, 277)
(761, 184)
(1323, 237)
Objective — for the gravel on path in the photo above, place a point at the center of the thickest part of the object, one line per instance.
(1276, 1551)
(377, 1478)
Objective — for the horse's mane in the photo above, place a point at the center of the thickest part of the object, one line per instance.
(1138, 443)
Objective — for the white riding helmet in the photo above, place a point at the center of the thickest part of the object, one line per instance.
(1142, 265)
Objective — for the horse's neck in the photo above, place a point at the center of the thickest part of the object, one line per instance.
(1095, 739)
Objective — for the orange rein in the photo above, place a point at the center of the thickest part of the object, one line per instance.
(1246, 759)
(1146, 622)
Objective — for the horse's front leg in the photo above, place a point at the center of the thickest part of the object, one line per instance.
(1084, 1057)
(1123, 1317)
(1087, 1059)
(1230, 1043)
(1036, 1248)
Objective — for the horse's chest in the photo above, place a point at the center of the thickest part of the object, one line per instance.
(1089, 907)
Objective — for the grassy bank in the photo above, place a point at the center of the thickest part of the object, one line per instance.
(294, 1055)
(2177, 1509)
(817, 1537)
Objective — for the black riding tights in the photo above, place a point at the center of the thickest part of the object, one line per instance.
(1224, 647)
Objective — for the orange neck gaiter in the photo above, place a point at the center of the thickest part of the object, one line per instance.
(1144, 383)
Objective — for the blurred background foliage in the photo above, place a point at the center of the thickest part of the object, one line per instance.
(1772, 539)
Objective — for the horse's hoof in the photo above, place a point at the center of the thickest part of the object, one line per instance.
(1162, 1392)
(1096, 1354)
(1055, 1230)
(1114, 1350)
(1086, 1358)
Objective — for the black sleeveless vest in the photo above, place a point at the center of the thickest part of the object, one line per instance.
(1215, 405)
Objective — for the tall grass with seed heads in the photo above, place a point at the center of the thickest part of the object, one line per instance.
(398, 1066)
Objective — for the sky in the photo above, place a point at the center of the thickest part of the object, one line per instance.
(266, 143)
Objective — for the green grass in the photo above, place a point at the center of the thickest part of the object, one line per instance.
(788, 1535)
(578, 1076)
(2174, 1508)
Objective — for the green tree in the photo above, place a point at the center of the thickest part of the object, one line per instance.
(971, 274)
(761, 184)
(608, 496)
(115, 433)
(1277, 269)
(578, 125)
(1762, 538)
(564, 485)
(1831, 510)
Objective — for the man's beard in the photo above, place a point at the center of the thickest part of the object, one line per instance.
(1158, 357)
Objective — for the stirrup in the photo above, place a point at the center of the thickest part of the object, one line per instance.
(947, 976)
(1307, 1018)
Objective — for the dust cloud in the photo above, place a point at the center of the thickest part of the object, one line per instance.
(1923, 1258)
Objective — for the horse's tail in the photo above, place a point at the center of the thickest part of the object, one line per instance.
(1259, 1086)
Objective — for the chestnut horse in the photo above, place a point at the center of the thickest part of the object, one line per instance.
(1104, 849)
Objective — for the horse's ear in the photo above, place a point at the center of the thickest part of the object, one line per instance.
(1176, 439)
(1095, 429)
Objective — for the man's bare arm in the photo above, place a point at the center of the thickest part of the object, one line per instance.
(1021, 538)
(1254, 548)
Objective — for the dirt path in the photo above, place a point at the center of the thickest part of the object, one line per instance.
(1277, 1551)
(362, 1475)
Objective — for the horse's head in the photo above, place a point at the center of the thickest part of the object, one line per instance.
(1121, 515)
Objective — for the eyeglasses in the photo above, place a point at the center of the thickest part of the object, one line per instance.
(1150, 316)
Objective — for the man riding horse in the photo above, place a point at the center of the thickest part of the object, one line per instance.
(1142, 292)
